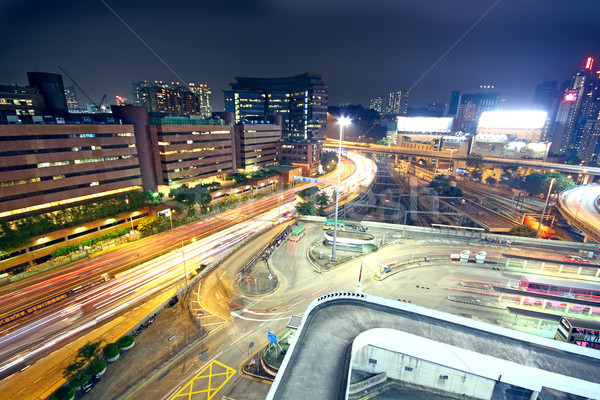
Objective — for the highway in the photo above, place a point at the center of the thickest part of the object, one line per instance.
(579, 206)
(170, 256)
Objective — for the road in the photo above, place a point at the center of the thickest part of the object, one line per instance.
(32, 337)
(440, 286)
(579, 206)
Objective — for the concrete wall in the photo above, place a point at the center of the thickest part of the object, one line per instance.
(418, 372)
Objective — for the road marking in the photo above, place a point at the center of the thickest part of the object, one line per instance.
(207, 383)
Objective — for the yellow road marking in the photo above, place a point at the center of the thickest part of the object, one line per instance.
(201, 385)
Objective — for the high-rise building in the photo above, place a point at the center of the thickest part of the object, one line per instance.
(580, 104)
(454, 103)
(173, 98)
(20, 104)
(471, 106)
(397, 103)
(376, 104)
(203, 92)
(589, 148)
(71, 97)
(301, 101)
(439, 109)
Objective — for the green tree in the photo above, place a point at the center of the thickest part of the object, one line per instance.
(146, 224)
(329, 160)
(523, 231)
(442, 185)
(322, 201)
(539, 183)
(240, 179)
(306, 208)
(490, 180)
(383, 142)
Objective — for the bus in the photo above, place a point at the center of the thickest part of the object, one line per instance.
(345, 226)
(581, 332)
(298, 233)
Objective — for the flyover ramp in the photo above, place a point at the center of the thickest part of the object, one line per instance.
(579, 206)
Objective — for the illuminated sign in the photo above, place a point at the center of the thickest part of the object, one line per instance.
(512, 119)
(424, 124)
(589, 62)
(570, 96)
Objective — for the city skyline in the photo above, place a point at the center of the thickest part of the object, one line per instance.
(365, 49)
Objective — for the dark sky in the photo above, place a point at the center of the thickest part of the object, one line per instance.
(365, 48)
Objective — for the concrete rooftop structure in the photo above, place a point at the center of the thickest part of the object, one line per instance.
(346, 331)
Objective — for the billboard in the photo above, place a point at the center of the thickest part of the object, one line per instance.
(424, 124)
(512, 120)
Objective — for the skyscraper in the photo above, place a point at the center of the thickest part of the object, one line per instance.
(470, 108)
(301, 101)
(173, 98)
(580, 104)
(376, 104)
(397, 103)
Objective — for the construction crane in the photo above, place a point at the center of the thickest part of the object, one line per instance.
(98, 106)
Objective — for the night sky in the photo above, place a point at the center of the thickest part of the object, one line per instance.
(365, 48)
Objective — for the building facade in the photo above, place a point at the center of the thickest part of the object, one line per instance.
(45, 166)
(173, 98)
(580, 103)
(257, 145)
(300, 100)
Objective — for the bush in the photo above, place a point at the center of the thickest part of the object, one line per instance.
(63, 393)
(126, 341)
(80, 379)
(111, 350)
(96, 367)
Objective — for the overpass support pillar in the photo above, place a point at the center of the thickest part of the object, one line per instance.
(534, 395)
(586, 238)
(396, 159)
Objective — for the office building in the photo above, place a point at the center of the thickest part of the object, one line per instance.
(257, 145)
(300, 100)
(20, 104)
(397, 103)
(590, 144)
(45, 166)
(71, 97)
(376, 104)
(580, 103)
(51, 87)
(437, 109)
(173, 98)
(454, 103)
(471, 106)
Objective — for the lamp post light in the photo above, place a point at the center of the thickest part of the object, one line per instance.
(343, 121)
(184, 268)
(545, 206)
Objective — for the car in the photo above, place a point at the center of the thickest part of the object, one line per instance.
(576, 259)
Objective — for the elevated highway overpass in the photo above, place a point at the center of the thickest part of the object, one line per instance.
(451, 155)
(580, 206)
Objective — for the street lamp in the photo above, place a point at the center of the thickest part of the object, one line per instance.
(545, 206)
(343, 121)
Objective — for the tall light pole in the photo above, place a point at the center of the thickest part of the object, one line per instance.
(545, 206)
(343, 121)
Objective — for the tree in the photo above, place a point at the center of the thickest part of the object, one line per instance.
(442, 185)
(329, 160)
(539, 183)
(306, 208)
(322, 201)
(490, 180)
(146, 224)
(523, 231)
(383, 142)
